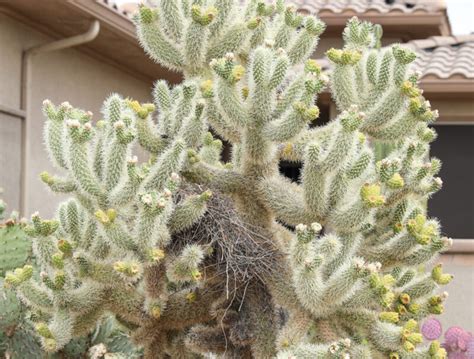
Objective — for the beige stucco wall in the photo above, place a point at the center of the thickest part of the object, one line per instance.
(459, 307)
(63, 75)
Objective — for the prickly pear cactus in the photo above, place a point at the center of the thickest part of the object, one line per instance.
(109, 339)
(22, 344)
(15, 248)
(10, 310)
(3, 206)
(115, 340)
(17, 340)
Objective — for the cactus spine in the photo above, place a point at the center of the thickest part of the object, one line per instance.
(345, 278)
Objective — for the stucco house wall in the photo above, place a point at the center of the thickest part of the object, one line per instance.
(65, 75)
(459, 308)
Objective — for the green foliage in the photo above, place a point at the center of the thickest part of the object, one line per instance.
(17, 337)
(15, 248)
(10, 312)
(21, 344)
(354, 291)
(114, 337)
(2, 207)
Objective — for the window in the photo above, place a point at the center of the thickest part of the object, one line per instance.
(454, 204)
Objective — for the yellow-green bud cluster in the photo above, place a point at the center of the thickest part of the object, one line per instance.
(344, 57)
(18, 276)
(205, 17)
(371, 195)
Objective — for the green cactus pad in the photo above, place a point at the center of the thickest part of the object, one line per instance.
(22, 344)
(10, 309)
(15, 248)
(116, 341)
(2, 208)
(76, 348)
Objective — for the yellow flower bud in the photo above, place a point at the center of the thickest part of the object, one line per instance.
(396, 181)
(312, 66)
(155, 311)
(404, 298)
(196, 274)
(237, 73)
(156, 254)
(43, 330)
(191, 297)
(371, 196)
(411, 325)
(415, 338)
(391, 317)
(408, 346)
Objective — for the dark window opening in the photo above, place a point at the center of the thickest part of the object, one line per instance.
(324, 115)
(453, 205)
(290, 170)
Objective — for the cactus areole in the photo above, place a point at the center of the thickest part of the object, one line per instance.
(347, 240)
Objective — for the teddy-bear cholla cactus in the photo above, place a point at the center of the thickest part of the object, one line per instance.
(106, 250)
(257, 97)
(17, 339)
(354, 291)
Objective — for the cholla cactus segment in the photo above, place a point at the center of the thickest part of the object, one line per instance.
(114, 233)
(346, 279)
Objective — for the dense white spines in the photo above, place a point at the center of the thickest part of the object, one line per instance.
(118, 227)
(346, 277)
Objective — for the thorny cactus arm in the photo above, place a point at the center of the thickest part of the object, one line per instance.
(354, 291)
(372, 207)
(93, 258)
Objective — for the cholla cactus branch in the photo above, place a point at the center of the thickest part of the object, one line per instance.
(192, 273)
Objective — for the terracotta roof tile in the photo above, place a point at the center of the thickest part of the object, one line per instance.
(126, 9)
(331, 6)
(363, 6)
(445, 56)
(439, 56)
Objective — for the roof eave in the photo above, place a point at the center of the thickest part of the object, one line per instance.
(421, 24)
(120, 24)
(437, 88)
(448, 88)
(116, 44)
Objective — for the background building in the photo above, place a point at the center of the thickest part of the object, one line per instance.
(103, 56)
